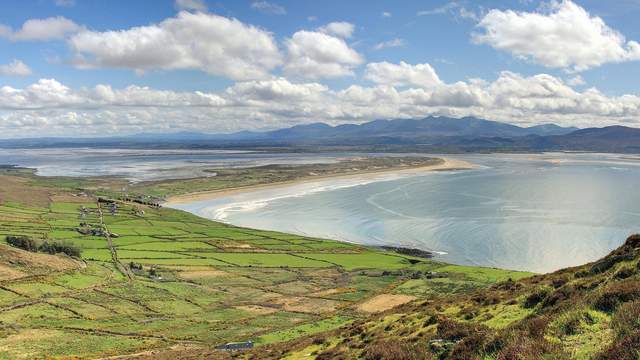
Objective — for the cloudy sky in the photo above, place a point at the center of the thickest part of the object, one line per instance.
(95, 68)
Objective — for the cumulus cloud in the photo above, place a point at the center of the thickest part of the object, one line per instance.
(193, 5)
(51, 106)
(15, 68)
(422, 75)
(386, 14)
(207, 42)
(341, 29)
(389, 43)
(564, 36)
(53, 28)
(268, 7)
(316, 55)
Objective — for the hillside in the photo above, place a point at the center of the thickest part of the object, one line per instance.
(153, 280)
(586, 312)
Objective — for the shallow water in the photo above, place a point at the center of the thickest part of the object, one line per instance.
(527, 212)
(145, 165)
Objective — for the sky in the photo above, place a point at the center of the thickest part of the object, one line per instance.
(100, 68)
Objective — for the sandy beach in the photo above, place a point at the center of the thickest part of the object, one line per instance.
(448, 164)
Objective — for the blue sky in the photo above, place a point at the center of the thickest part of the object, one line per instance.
(89, 67)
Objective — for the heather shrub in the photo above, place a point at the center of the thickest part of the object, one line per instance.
(625, 348)
(617, 293)
(395, 349)
(627, 319)
(536, 297)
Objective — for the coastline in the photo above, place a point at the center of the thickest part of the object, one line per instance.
(448, 164)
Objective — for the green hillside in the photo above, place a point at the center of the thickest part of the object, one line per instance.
(586, 312)
(155, 279)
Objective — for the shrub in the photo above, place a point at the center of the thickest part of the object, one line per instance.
(453, 331)
(536, 297)
(564, 293)
(394, 350)
(23, 242)
(524, 348)
(624, 272)
(469, 348)
(627, 319)
(55, 247)
(571, 322)
(50, 247)
(625, 348)
(617, 293)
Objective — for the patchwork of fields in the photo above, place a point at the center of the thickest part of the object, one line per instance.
(171, 279)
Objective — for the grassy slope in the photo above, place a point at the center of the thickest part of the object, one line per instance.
(586, 312)
(219, 283)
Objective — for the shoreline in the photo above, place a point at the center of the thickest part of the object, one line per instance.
(448, 164)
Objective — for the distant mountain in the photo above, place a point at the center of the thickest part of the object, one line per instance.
(431, 134)
(430, 127)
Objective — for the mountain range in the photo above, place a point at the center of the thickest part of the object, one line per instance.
(430, 134)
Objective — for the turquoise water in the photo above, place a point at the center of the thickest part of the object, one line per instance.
(527, 212)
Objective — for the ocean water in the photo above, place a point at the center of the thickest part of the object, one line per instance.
(528, 212)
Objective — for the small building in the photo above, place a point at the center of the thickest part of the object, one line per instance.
(246, 345)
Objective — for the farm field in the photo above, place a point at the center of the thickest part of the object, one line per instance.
(155, 278)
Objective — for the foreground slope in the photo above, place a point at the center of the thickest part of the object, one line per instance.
(153, 280)
(585, 312)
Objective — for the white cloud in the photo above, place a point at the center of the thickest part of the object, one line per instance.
(386, 14)
(51, 107)
(15, 68)
(565, 36)
(576, 81)
(207, 42)
(341, 29)
(316, 55)
(453, 8)
(65, 3)
(268, 7)
(422, 75)
(390, 43)
(53, 28)
(276, 89)
(192, 5)
(441, 10)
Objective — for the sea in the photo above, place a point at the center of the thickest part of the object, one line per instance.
(533, 212)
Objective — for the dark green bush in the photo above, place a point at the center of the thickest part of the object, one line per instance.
(50, 247)
(23, 242)
(56, 247)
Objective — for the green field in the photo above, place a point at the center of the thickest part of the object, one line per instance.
(171, 278)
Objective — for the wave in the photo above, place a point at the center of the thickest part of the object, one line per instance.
(222, 212)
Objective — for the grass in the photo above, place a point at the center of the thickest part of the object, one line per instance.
(304, 329)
